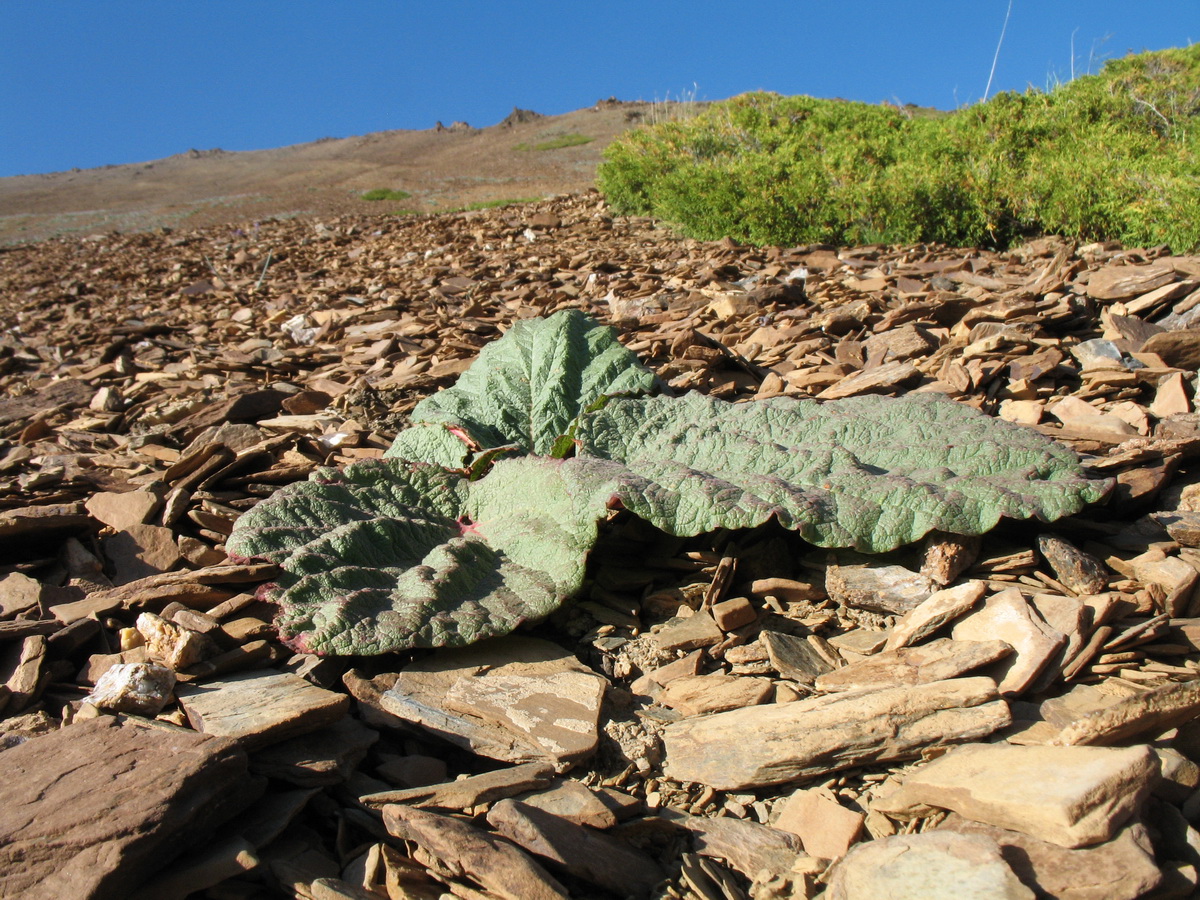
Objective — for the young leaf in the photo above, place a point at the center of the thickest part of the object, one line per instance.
(869, 472)
(527, 388)
(388, 555)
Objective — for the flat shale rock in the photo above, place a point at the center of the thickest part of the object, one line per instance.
(1070, 796)
(586, 853)
(890, 590)
(825, 827)
(120, 511)
(571, 800)
(933, 612)
(518, 699)
(458, 849)
(693, 695)
(260, 708)
(1120, 869)
(747, 846)
(1008, 617)
(92, 810)
(325, 756)
(1148, 714)
(936, 661)
(773, 744)
(931, 866)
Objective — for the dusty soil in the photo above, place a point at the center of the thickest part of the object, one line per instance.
(445, 169)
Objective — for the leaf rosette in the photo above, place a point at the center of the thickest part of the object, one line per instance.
(418, 550)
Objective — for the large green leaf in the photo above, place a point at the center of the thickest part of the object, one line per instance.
(869, 472)
(526, 389)
(388, 555)
(394, 554)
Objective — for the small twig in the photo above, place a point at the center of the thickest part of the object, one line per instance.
(1153, 109)
(266, 266)
(987, 90)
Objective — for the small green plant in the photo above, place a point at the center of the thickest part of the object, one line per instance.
(557, 143)
(377, 194)
(484, 511)
(1109, 156)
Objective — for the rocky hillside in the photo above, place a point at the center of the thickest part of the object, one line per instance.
(738, 714)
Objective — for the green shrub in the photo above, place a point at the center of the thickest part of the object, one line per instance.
(386, 194)
(1108, 156)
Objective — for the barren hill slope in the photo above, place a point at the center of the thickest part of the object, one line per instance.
(441, 169)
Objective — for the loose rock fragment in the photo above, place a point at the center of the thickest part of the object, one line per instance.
(260, 708)
(1070, 796)
(773, 744)
(936, 661)
(1148, 714)
(693, 695)
(1008, 617)
(892, 590)
(933, 612)
(1079, 571)
(592, 855)
(825, 827)
(141, 689)
(69, 828)
(931, 866)
(515, 698)
(456, 848)
(1120, 869)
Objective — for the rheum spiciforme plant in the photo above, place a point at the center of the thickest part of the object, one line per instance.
(482, 513)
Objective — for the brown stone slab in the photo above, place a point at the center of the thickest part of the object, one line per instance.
(260, 708)
(94, 809)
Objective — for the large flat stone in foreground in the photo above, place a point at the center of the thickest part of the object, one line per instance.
(91, 810)
(763, 745)
(260, 708)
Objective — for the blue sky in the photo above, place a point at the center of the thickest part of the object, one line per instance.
(91, 82)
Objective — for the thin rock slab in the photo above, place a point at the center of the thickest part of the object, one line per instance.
(454, 848)
(1070, 796)
(763, 745)
(931, 866)
(1008, 617)
(260, 708)
(93, 809)
(322, 757)
(794, 657)
(694, 695)
(473, 790)
(1144, 714)
(890, 590)
(938, 660)
(594, 856)
(933, 612)
(1120, 869)
(747, 846)
(825, 827)
(517, 699)
(570, 800)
